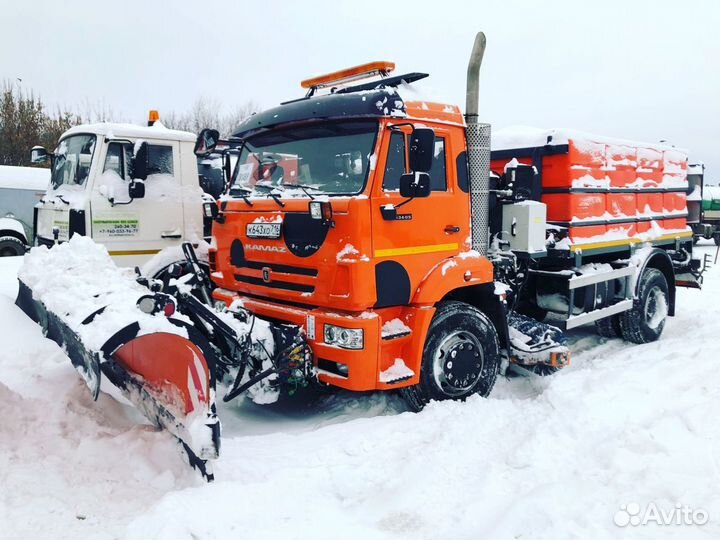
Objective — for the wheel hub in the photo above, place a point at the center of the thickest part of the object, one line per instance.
(458, 363)
(655, 308)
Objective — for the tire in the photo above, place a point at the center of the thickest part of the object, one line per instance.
(10, 246)
(645, 321)
(458, 330)
(609, 327)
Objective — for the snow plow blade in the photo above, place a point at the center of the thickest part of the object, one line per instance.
(160, 362)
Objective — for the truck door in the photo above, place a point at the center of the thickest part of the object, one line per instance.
(423, 231)
(134, 230)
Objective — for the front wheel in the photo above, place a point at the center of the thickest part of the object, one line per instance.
(11, 246)
(461, 356)
(645, 321)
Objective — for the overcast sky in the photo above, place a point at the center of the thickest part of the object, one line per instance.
(639, 70)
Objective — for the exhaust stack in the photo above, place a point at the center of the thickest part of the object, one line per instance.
(478, 151)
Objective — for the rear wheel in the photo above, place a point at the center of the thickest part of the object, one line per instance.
(11, 246)
(461, 356)
(609, 327)
(645, 321)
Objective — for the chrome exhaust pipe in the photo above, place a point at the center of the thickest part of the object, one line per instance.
(472, 97)
(478, 151)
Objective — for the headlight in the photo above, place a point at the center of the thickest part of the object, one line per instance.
(347, 338)
(315, 210)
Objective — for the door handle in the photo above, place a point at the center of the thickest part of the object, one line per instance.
(171, 235)
(452, 229)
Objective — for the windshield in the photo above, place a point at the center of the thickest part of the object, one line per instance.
(73, 157)
(329, 158)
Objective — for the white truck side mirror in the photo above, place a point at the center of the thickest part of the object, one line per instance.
(38, 154)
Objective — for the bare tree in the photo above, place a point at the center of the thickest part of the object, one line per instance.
(21, 123)
(25, 123)
(208, 113)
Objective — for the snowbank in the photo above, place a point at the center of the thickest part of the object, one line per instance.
(552, 457)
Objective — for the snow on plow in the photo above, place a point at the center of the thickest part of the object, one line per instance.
(91, 308)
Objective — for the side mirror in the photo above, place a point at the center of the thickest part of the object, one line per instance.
(415, 184)
(140, 163)
(422, 146)
(38, 154)
(206, 142)
(210, 210)
(136, 190)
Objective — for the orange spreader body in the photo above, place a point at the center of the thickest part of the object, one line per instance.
(598, 189)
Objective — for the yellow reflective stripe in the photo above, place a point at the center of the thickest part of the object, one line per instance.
(135, 252)
(414, 250)
(614, 243)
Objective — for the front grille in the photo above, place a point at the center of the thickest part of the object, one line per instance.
(281, 268)
(274, 275)
(287, 285)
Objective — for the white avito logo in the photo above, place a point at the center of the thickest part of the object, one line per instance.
(680, 514)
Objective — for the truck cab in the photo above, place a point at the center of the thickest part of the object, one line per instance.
(134, 189)
(321, 227)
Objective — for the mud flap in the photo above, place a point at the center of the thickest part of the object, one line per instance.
(536, 343)
(168, 377)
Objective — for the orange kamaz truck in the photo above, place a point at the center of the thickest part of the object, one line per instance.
(368, 241)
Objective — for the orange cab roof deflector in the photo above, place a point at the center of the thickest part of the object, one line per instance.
(350, 74)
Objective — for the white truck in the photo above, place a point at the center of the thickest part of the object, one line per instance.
(134, 189)
(20, 189)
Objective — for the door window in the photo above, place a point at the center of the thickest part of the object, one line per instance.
(395, 164)
(160, 159)
(438, 172)
(117, 159)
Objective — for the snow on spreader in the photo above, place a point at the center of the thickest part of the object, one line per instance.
(153, 346)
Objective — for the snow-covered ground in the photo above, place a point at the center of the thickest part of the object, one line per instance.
(552, 457)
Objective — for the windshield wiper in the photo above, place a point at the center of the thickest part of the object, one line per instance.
(243, 193)
(304, 187)
(271, 194)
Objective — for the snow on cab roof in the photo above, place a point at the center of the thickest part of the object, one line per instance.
(531, 137)
(32, 178)
(111, 129)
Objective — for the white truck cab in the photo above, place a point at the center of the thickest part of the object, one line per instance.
(20, 189)
(134, 189)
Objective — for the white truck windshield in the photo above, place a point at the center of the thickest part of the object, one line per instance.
(73, 157)
(331, 158)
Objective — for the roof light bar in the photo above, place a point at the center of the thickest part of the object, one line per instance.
(350, 74)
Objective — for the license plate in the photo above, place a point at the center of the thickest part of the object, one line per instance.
(263, 230)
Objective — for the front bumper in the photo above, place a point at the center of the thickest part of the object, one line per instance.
(357, 370)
